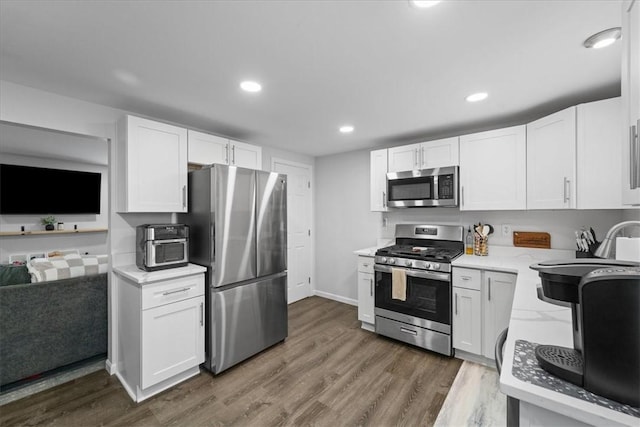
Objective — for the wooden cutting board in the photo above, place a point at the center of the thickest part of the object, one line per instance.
(532, 239)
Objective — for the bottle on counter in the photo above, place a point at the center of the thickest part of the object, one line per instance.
(468, 247)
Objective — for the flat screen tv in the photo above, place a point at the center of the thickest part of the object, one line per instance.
(32, 190)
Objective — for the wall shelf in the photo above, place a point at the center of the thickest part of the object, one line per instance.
(52, 232)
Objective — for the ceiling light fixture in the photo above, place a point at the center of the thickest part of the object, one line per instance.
(346, 129)
(251, 86)
(424, 3)
(603, 38)
(475, 97)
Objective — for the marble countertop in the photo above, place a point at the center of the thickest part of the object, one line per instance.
(539, 322)
(142, 277)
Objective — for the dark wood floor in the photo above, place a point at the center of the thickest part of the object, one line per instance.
(328, 372)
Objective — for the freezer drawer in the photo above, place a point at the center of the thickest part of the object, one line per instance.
(245, 320)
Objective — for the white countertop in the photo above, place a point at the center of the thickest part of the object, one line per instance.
(536, 321)
(142, 277)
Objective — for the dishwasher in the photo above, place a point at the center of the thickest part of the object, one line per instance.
(513, 404)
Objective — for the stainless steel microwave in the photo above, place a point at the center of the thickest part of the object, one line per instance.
(423, 188)
(160, 246)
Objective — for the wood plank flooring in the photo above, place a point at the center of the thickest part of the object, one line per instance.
(328, 372)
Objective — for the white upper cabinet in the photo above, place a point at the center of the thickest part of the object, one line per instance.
(440, 153)
(493, 170)
(205, 149)
(599, 149)
(631, 102)
(378, 184)
(245, 155)
(152, 165)
(424, 155)
(404, 158)
(551, 161)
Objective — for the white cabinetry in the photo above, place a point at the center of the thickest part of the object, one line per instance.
(551, 161)
(481, 309)
(467, 314)
(599, 149)
(152, 166)
(497, 298)
(493, 170)
(424, 155)
(631, 102)
(205, 149)
(160, 328)
(378, 184)
(366, 296)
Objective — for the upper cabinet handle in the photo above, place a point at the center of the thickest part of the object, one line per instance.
(226, 149)
(184, 196)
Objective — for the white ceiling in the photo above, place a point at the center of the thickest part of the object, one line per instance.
(397, 73)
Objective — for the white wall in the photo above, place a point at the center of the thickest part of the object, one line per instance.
(343, 221)
(345, 224)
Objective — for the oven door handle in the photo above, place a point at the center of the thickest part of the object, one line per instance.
(443, 277)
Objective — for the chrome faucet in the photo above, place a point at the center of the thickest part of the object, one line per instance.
(607, 249)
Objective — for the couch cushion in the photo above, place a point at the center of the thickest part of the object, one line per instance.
(11, 274)
(71, 265)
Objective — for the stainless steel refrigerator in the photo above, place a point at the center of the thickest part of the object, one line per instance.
(238, 230)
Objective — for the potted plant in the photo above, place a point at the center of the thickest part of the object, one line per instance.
(48, 222)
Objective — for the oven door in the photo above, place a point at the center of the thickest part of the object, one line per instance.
(166, 252)
(428, 298)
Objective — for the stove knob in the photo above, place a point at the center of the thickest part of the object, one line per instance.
(383, 259)
(408, 263)
(427, 266)
(435, 266)
(391, 261)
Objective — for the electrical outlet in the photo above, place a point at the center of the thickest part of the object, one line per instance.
(506, 230)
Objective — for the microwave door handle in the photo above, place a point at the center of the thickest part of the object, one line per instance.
(162, 242)
(435, 195)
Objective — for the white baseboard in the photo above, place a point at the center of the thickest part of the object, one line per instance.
(335, 297)
(110, 367)
(475, 358)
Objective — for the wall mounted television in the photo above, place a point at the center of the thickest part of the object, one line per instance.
(28, 190)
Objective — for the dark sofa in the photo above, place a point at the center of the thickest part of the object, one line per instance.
(48, 325)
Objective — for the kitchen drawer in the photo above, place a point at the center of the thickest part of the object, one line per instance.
(365, 264)
(168, 291)
(467, 278)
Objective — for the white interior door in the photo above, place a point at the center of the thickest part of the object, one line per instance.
(298, 228)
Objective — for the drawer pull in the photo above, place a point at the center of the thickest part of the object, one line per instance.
(465, 277)
(176, 292)
(408, 331)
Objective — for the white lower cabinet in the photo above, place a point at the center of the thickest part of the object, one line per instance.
(481, 309)
(160, 328)
(366, 289)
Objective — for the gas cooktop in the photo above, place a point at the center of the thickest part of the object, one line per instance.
(420, 252)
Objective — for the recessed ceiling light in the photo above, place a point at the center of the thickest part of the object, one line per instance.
(475, 97)
(346, 129)
(603, 38)
(126, 77)
(251, 86)
(424, 3)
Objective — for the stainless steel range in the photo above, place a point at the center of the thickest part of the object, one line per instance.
(413, 285)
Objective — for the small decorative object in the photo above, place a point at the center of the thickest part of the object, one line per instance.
(61, 226)
(49, 222)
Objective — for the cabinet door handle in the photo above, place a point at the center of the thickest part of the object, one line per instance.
(489, 283)
(408, 331)
(567, 189)
(462, 196)
(456, 303)
(226, 158)
(421, 156)
(371, 287)
(233, 154)
(384, 199)
(634, 155)
(416, 159)
(201, 314)
(184, 196)
(176, 292)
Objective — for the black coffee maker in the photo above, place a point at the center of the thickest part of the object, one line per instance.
(604, 296)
